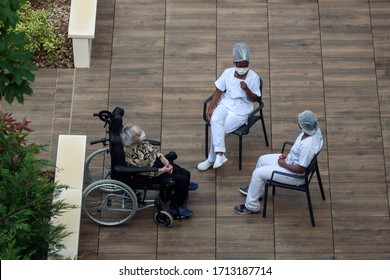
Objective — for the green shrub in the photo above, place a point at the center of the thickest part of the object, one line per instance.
(28, 197)
(15, 61)
(43, 41)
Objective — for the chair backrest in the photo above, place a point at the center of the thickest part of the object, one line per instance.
(116, 147)
(311, 169)
(253, 117)
(260, 98)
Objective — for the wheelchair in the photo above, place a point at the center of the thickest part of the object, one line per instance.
(117, 192)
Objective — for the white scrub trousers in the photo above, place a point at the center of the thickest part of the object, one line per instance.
(263, 172)
(223, 121)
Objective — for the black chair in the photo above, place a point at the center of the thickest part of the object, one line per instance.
(310, 170)
(257, 114)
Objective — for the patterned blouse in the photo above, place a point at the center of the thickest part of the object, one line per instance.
(144, 155)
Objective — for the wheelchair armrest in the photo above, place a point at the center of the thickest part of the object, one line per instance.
(205, 107)
(297, 176)
(133, 170)
(171, 156)
(154, 142)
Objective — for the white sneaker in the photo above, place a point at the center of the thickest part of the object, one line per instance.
(221, 159)
(203, 166)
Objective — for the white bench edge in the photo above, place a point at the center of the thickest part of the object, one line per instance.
(70, 172)
(82, 21)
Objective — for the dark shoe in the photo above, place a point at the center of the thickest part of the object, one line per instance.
(180, 212)
(186, 211)
(193, 186)
(241, 209)
(244, 191)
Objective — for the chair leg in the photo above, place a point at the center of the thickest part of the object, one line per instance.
(240, 153)
(264, 130)
(310, 207)
(320, 182)
(206, 140)
(265, 198)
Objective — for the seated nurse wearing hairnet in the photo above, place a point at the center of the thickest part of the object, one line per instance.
(306, 146)
(239, 87)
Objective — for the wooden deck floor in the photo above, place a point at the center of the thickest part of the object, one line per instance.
(158, 60)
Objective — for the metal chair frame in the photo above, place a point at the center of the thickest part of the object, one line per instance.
(310, 170)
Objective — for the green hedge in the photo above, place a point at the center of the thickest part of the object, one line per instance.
(27, 193)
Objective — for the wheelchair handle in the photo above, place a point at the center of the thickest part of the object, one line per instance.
(103, 140)
(104, 116)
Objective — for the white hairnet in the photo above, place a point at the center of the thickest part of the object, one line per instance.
(308, 122)
(241, 52)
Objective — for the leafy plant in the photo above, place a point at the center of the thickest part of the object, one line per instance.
(28, 197)
(15, 60)
(40, 33)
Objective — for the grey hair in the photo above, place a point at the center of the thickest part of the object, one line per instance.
(128, 133)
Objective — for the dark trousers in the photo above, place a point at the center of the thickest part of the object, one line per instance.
(182, 181)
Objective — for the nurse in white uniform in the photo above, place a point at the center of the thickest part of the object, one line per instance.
(308, 143)
(236, 90)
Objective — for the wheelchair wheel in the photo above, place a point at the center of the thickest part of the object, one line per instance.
(163, 218)
(98, 165)
(109, 202)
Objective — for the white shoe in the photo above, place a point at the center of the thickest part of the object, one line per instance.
(221, 159)
(203, 166)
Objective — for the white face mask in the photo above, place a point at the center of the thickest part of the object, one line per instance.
(242, 71)
(142, 137)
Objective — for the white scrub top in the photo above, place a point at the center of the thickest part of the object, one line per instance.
(235, 98)
(303, 151)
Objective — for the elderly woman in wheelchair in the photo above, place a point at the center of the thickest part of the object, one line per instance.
(125, 173)
(140, 153)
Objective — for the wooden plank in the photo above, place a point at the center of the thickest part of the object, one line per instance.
(356, 165)
(344, 16)
(338, 97)
(347, 43)
(350, 237)
(355, 199)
